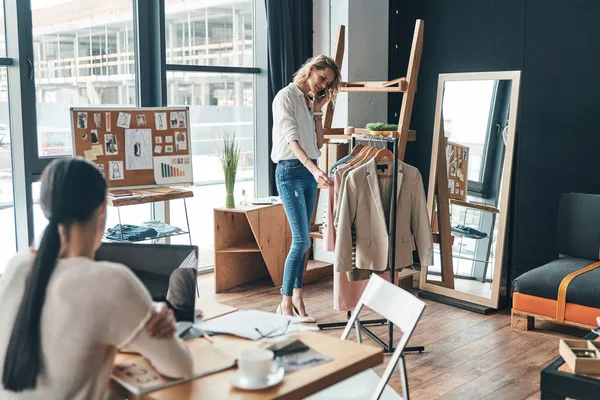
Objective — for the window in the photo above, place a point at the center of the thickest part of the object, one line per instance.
(210, 69)
(202, 35)
(83, 55)
(8, 245)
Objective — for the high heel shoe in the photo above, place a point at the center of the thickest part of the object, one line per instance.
(305, 318)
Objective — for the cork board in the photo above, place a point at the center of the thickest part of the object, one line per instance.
(458, 164)
(135, 147)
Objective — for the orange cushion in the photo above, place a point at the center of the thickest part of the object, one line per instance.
(540, 305)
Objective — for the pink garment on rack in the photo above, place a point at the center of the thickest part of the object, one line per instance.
(329, 230)
(346, 293)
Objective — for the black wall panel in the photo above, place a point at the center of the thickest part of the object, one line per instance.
(555, 43)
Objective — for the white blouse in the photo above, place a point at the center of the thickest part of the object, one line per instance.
(292, 120)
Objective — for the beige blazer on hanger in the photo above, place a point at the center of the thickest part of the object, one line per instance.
(361, 206)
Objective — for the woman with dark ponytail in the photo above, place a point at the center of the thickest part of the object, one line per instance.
(63, 315)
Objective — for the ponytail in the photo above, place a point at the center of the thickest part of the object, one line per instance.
(23, 360)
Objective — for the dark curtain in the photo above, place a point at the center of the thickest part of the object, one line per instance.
(290, 43)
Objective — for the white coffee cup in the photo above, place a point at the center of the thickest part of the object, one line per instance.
(255, 364)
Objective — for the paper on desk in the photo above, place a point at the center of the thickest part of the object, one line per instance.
(246, 322)
(138, 376)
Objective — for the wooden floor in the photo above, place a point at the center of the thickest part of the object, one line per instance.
(467, 355)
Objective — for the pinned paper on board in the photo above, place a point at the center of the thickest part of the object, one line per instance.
(181, 118)
(124, 120)
(169, 148)
(138, 149)
(140, 120)
(98, 120)
(89, 155)
(95, 136)
(158, 139)
(82, 120)
(108, 121)
(160, 121)
(173, 119)
(173, 169)
(110, 142)
(97, 149)
(180, 141)
(115, 170)
(158, 149)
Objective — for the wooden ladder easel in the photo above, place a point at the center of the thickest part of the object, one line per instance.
(406, 85)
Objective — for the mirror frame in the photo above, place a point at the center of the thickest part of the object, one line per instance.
(504, 193)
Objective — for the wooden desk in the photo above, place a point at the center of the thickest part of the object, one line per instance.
(150, 195)
(349, 358)
(153, 195)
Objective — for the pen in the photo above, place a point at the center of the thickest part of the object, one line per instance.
(208, 338)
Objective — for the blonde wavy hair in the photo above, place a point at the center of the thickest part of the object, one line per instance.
(320, 62)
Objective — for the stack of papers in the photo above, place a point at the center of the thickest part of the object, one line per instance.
(254, 325)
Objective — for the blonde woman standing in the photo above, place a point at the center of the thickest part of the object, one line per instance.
(297, 140)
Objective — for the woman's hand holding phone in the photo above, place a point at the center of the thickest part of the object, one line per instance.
(320, 99)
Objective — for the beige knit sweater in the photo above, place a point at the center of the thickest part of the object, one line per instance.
(91, 309)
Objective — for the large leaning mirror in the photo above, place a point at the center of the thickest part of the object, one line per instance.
(469, 185)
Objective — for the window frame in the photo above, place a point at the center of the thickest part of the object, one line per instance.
(151, 69)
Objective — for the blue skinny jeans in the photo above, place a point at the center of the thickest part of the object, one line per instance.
(298, 191)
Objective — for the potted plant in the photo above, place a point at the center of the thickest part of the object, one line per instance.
(229, 154)
(381, 128)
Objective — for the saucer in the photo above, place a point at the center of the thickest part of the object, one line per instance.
(241, 382)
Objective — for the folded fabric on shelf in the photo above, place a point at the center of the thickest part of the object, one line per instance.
(161, 228)
(131, 233)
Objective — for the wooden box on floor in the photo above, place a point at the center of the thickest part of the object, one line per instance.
(572, 351)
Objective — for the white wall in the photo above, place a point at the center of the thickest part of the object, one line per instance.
(365, 55)
(365, 59)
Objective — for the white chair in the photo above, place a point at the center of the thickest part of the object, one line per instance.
(403, 310)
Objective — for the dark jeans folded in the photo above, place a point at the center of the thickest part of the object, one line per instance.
(130, 233)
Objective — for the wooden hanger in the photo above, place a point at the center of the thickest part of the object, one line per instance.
(357, 149)
(360, 156)
(371, 151)
(382, 155)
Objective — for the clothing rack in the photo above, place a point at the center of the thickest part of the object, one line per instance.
(391, 143)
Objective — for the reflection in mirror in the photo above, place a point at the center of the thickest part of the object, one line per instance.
(475, 114)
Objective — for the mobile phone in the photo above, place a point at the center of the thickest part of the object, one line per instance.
(321, 94)
(289, 346)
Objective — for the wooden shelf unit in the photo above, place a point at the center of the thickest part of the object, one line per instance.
(250, 242)
(412, 135)
(250, 247)
(476, 206)
(316, 235)
(401, 85)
